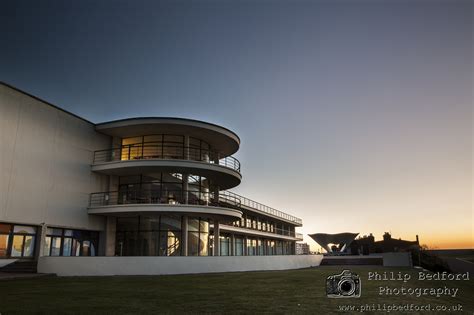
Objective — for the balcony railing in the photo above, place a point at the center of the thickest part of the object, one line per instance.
(168, 152)
(170, 197)
(175, 197)
(288, 233)
(274, 231)
(261, 207)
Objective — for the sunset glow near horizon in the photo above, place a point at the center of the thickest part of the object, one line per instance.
(353, 116)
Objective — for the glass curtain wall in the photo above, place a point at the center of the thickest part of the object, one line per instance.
(163, 188)
(164, 146)
(65, 242)
(158, 235)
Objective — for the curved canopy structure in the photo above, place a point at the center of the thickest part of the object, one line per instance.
(221, 139)
(342, 239)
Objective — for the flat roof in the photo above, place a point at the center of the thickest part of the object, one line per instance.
(221, 139)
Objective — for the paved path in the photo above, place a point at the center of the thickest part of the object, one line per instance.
(459, 265)
(10, 275)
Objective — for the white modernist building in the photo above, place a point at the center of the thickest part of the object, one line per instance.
(133, 187)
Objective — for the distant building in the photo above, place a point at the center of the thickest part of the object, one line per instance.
(367, 245)
(334, 243)
(302, 249)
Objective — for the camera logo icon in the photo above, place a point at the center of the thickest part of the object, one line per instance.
(343, 285)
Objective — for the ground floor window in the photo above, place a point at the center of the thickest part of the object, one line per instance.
(260, 247)
(198, 237)
(17, 241)
(270, 247)
(251, 247)
(158, 235)
(239, 246)
(225, 245)
(67, 242)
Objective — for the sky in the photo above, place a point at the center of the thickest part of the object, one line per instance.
(355, 116)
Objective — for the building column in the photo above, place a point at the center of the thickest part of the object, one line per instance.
(186, 188)
(110, 233)
(184, 235)
(186, 147)
(217, 244)
(245, 246)
(42, 240)
(232, 245)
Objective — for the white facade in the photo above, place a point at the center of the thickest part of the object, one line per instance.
(45, 164)
(65, 180)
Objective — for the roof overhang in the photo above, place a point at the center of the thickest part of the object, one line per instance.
(221, 139)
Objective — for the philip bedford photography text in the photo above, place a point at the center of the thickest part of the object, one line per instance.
(434, 290)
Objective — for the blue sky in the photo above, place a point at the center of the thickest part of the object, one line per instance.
(354, 115)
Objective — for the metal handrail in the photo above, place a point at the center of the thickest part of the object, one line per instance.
(261, 207)
(170, 197)
(160, 151)
(174, 197)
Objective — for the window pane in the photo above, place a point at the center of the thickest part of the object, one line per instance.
(86, 248)
(174, 139)
(203, 244)
(194, 143)
(129, 180)
(93, 249)
(68, 233)
(47, 246)
(193, 224)
(67, 246)
(170, 223)
(127, 224)
(57, 232)
(24, 229)
(149, 223)
(153, 138)
(203, 226)
(55, 246)
(224, 246)
(29, 249)
(193, 243)
(17, 245)
(239, 246)
(76, 248)
(134, 140)
(5, 228)
(173, 246)
(3, 245)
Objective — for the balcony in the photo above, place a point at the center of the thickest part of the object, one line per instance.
(164, 152)
(268, 210)
(158, 157)
(265, 233)
(168, 197)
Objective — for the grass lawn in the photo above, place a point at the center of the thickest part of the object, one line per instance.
(295, 291)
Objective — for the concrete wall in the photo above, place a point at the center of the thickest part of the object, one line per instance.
(45, 158)
(108, 266)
